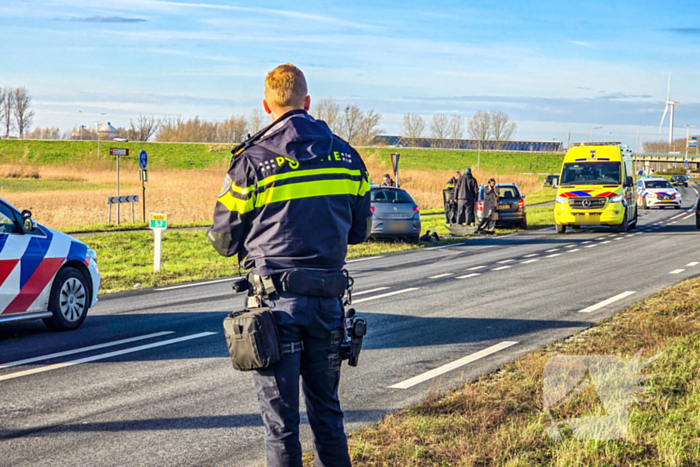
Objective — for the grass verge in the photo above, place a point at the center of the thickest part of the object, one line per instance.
(498, 419)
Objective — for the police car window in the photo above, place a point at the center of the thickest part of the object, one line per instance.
(7, 223)
(591, 173)
(390, 196)
(653, 184)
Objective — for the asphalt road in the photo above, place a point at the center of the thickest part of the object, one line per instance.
(147, 380)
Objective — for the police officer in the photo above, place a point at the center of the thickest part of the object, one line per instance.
(294, 197)
(466, 192)
(451, 207)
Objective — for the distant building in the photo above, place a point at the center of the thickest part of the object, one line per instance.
(107, 131)
(470, 144)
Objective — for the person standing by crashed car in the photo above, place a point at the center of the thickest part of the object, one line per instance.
(489, 207)
(294, 197)
(466, 192)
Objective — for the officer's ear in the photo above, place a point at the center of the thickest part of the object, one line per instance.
(307, 103)
(266, 107)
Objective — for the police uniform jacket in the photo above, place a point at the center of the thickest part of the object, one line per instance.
(294, 196)
(450, 187)
(466, 188)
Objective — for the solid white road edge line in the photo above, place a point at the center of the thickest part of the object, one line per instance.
(390, 294)
(364, 292)
(230, 279)
(677, 271)
(104, 356)
(606, 302)
(84, 349)
(440, 275)
(363, 259)
(453, 365)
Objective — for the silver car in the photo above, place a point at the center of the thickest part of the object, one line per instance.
(394, 214)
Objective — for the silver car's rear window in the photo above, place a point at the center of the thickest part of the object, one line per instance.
(389, 196)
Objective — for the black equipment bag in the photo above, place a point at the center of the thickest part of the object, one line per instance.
(252, 339)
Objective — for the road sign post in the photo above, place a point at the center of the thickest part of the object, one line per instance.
(118, 152)
(159, 222)
(143, 176)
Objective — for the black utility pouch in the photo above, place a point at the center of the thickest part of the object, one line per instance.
(252, 339)
(313, 283)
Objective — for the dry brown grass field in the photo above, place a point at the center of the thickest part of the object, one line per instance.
(185, 195)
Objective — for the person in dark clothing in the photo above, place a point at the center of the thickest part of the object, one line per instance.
(293, 198)
(451, 207)
(387, 181)
(466, 192)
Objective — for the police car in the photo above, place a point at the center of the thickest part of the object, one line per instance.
(657, 193)
(44, 274)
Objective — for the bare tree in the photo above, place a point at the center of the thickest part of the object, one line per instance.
(350, 122)
(440, 129)
(412, 128)
(21, 109)
(143, 129)
(328, 110)
(502, 129)
(256, 121)
(232, 130)
(6, 107)
(369, 128)
(456, 130)
(479, 126)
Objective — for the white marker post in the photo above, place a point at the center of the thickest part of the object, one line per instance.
(159, 222)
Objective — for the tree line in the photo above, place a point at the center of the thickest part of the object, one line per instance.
(482, 126)
(15, 110)
(662, 147)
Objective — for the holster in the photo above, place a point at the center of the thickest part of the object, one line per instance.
(252, 339)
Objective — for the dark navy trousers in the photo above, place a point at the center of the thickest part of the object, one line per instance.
(311, 321)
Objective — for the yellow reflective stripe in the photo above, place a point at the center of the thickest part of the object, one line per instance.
(364, 187)
(306, 173)
(234, 204)
(243, 191)
(275, 194)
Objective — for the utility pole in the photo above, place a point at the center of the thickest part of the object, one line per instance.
(636, 149)
(594, 128)
(98, 141)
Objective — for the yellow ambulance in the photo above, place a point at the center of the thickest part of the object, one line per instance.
(596, 188)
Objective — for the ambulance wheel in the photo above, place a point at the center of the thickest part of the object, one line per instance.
(624, 226)
(678, 207)
(576, 227)
(634, 222)
(560, 228)
(69, 301)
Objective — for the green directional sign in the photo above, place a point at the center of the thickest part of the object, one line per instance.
(159, 221)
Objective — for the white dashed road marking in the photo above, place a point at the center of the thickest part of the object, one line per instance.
(441, 370)
(690, 265)
(552, 250)
(506, 261)
(677, 271)
(531, 255)
(529, 261)
(364, 292)
(502, 267)
(440, 275)
(475, 268)
(607, 302)
(474, 274)
(555, 254)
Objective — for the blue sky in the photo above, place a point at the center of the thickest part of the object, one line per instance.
(552, 66)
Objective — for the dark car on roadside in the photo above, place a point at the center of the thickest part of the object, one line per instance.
(551, 181)
(394, 214)
(511, 206)
(679, 180)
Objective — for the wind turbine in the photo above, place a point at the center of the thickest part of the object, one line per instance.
(672, 104)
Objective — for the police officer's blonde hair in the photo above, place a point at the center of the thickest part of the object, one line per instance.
(285, 87)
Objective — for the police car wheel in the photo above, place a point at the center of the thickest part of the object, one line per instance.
(69, 301)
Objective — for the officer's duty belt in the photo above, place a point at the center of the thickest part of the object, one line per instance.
(308, 282)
